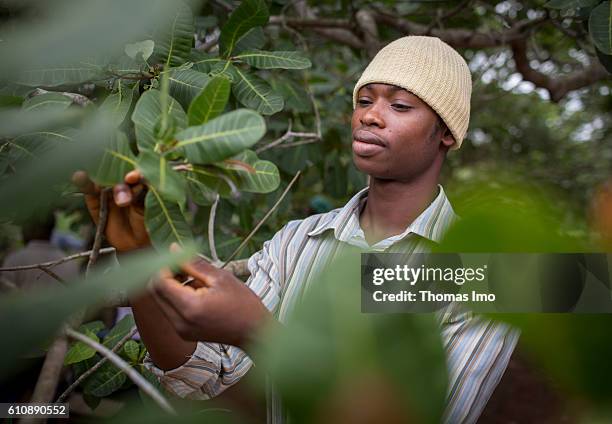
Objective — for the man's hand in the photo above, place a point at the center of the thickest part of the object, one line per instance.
(125, 229)
(216, 307)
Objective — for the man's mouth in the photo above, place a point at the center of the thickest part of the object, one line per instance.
(366, 143)
(368, 137)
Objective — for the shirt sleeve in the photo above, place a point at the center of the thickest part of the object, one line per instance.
(213, 367)
(478, 352)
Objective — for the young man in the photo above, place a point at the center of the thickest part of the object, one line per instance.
(411, 106)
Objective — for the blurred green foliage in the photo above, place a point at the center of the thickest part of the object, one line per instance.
(522, 181)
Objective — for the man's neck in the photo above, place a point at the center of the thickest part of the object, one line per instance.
(392, 206)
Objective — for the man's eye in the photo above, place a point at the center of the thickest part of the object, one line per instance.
(363, 102)
(400, 106)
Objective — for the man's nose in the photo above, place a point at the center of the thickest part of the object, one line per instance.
(372, 116)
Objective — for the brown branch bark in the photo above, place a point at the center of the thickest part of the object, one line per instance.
(368, 27)
(49, 375)
(556, 87)
(514, 37)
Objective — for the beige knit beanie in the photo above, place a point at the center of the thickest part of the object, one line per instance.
(430, 69)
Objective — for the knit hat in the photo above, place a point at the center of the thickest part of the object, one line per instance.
(430, 69)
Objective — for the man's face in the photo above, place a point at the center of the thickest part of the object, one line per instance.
(395, 134)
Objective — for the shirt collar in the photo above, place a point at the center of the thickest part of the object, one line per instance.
(431, 224)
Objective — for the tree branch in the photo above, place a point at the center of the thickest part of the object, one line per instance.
(96, 366)
(264, 219)
(367, 24)
(211, 230)
(556, 87)
(138, 379)
(49, 375)
(103, 215)
(50, 264)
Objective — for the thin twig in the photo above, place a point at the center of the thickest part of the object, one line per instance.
(52, 274)
(260, 223)
(116, 360)
(96, 366)
(289, 135)
(211, 229)
(103, 215)
(50, 264)
(300, 143)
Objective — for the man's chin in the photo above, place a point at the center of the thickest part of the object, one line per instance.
(372, 168)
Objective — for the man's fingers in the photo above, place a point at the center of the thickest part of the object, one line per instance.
(200, 269)
(122, 195)
(182, 298)
(133, 177)
(84, 183)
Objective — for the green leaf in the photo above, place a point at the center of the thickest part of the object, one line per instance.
(20, 313)
(562, 4)
(93, 326)
(186, 84)
(173, 41)
(91, 400)
(146, 113)
(605, 60)
(117, 161)
(79, 351)
(252, 40)
(270, 60)
(222, 137)
(164, 221)
(47, 101)
(141, 50)
(250, 14)
(255, 93)
(600, 27)
(119, 331)
(106, 380)
(132, 350)
(126, 66)
(158, 172)
(202, 190)
(64, 75)
(296, 97)
(118, 104)
(258, 176)
(203, 62)
(211, 101)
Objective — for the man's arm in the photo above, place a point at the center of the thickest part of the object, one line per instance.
(478, 352)
(224, 315)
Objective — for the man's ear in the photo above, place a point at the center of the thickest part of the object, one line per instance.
(447, 137)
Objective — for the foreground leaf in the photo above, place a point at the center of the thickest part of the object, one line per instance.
(600, 27)
(156, 169)
(119, 331)
(164, 221)
(271, 60)
(117, 105)
(29, 318)
(259, 176)
(186, 84)
(117, 161)
(60, 75)
(79, 351)
(106, 380)
(222, 137)
(211, 101)
(146, 114)
(173, 41)
(255, 93)
(47, 101)
(250, 14)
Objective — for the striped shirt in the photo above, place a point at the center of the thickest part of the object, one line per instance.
(477, 351)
